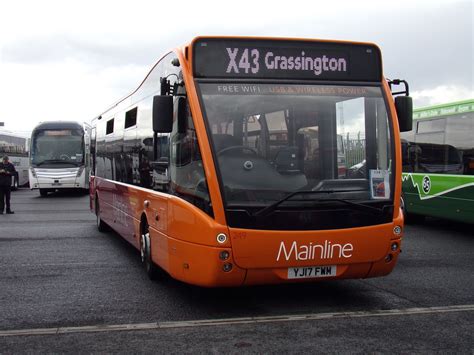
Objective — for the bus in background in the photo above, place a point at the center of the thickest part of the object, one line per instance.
(16, 148)
(438, 178)
(59, 156)
(223, 166)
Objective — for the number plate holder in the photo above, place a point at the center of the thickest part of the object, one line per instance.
(310, 272)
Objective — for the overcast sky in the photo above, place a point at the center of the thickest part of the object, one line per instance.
(65, 60)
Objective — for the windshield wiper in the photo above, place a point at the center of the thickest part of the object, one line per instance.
(358, 206)
(270, 208)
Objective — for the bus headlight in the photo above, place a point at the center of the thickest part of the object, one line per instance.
(33, 173)
(227, 267)
(224, 255)
(394, 246)
(79, 172)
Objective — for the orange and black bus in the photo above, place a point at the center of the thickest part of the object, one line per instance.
(222, 166)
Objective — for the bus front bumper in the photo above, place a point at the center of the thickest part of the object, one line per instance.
(207, 266)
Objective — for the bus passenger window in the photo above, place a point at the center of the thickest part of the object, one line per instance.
(110, 127)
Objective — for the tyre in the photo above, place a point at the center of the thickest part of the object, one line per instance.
(151, 269)
(43, 192)
(101, 225)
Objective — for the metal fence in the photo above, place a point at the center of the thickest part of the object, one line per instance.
(355, 150)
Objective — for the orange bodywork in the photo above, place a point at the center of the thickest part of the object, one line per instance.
(184, 238)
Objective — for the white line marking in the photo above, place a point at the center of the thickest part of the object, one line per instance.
(234, 321)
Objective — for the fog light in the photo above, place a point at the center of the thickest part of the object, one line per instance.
(397, 230)
(388, 258)
(227, 267)
(394, 246)
(221, 238)
(224, 255)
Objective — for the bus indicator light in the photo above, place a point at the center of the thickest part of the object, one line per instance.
(221, 238)
(80, 171)
(397, 230)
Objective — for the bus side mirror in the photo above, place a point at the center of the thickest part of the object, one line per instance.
(404, 107)
(182, 115)
(162, 113)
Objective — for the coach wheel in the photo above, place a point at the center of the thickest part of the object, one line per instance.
(151, 269)
(43, 192)
(101, 226)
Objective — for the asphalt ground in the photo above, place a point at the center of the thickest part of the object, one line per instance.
(65, 287)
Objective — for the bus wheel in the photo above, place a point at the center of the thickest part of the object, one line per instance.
(151, 269)
(101, 226)
(43, 192)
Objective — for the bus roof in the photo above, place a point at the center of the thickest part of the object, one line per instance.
(447, 109)
(58, 125)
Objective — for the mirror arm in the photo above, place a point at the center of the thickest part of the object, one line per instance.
(399, 82)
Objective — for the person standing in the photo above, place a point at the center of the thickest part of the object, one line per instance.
(7, 170)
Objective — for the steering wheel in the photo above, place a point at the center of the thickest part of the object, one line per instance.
(64, 157)
(237, 147)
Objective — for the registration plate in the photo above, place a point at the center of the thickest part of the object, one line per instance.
(309, 272)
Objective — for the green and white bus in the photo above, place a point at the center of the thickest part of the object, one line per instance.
(438, 163)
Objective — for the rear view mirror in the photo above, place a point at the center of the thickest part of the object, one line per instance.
(404, 107)
(162, 114)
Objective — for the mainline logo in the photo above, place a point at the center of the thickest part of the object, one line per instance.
(311, 251)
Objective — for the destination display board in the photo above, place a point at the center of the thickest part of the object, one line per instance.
(285, 59)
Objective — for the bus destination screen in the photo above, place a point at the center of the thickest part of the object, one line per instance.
(283, 59)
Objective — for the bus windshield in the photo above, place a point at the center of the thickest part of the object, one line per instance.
(273, 140)
(57, 147)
